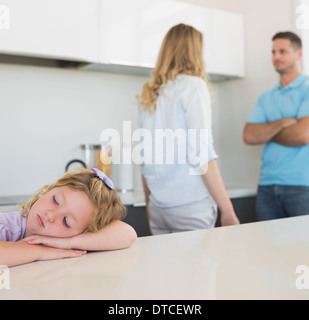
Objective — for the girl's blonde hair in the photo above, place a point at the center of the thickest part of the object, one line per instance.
(181, 52)
(108, 206)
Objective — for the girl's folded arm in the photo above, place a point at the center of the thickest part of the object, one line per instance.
(115, 235)
(16, 253)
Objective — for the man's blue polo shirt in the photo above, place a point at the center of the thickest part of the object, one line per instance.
(283, 165)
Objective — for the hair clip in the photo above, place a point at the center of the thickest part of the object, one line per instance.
(104, 178)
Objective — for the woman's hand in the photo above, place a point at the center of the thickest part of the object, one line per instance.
(228, 219)
(214, 183)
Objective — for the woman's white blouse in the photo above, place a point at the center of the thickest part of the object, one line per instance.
(177, 141)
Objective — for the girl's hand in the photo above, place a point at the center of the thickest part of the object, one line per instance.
(48, 253)
(60, 243)
(20, 252)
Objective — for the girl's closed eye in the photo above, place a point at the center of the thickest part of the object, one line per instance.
(55, 201)
(65, 222)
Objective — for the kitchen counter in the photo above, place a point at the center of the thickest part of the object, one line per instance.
(251, 261)
(136, 197)
(12, 200)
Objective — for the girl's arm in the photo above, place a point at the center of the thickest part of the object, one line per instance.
(116, 235)
(16, 253)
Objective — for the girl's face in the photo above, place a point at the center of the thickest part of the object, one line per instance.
(61, 212)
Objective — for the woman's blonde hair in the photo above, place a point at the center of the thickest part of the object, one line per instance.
(181, 52)
(108, 206)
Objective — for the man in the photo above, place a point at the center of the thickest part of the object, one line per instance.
(280, 120)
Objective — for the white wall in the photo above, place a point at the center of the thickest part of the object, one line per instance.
(235, 99)
(47, 113)
(263, 18)
(303, 24)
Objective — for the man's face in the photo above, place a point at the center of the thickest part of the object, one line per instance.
(285, 57)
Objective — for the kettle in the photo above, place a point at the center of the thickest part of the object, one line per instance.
(96, 156)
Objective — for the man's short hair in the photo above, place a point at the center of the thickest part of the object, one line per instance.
(294, 38)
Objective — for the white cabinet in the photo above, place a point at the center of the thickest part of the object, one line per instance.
(224, 44)
(131, 33)
(63, 29)
(118, 35)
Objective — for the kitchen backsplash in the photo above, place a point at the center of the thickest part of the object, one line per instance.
(47, 113)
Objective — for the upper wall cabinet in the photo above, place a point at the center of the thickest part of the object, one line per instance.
(131, 33)
(61, 29)
(119, 35)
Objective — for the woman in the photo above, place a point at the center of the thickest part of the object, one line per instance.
(177, 98)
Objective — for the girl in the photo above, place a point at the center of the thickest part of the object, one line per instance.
(81, 211)
(177, 97)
